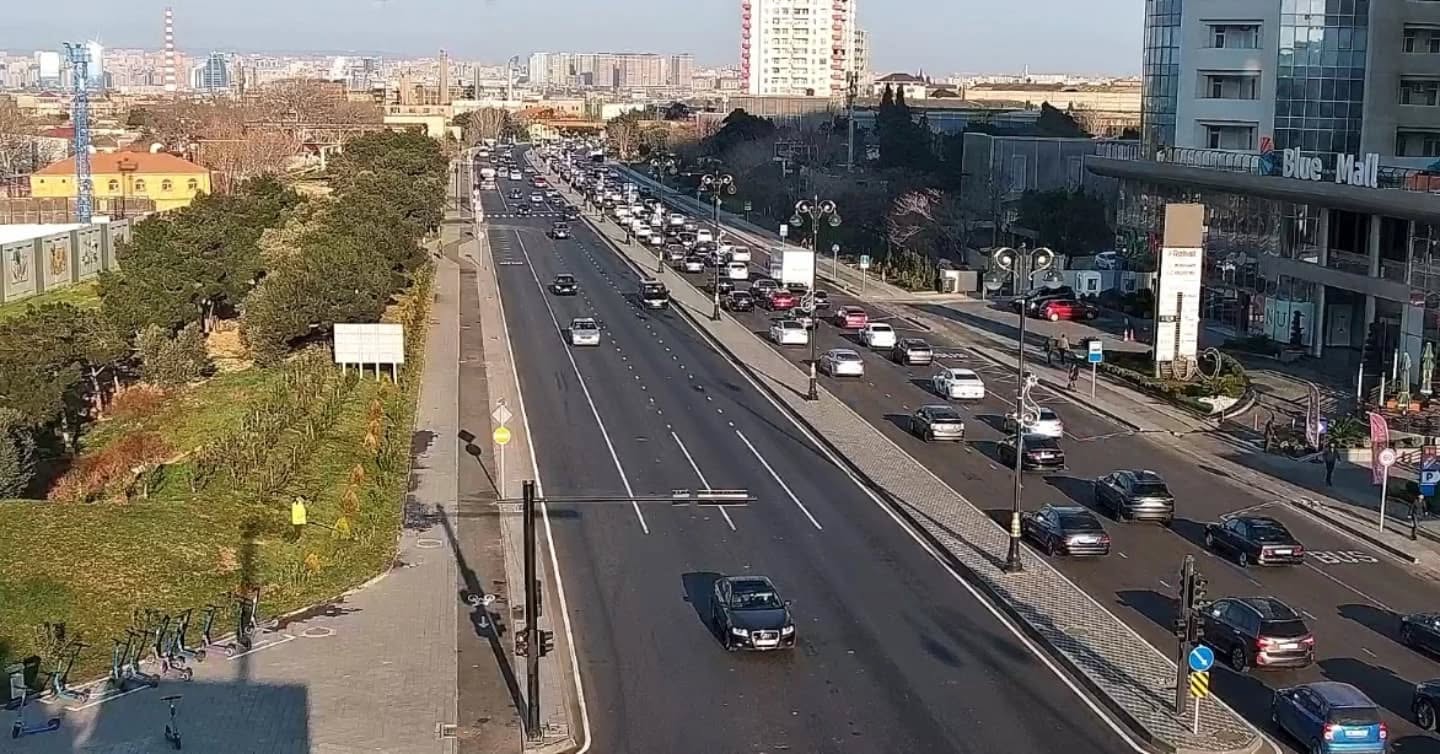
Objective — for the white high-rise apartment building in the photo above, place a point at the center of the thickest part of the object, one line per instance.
(797, 47)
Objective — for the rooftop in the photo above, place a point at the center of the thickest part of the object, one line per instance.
(149, 163)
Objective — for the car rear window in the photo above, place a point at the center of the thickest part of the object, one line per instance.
(1078, 522)
(1151, 489)
(1284, 629)
(1041, 443)
(1354, 716)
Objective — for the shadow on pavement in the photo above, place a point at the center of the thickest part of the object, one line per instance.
(698, 588)
(1191, 531)
(1382, 622)
(1380, 684)
(1080, 491)
(1160, 609)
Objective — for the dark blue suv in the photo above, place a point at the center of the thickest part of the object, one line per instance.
(1330, 718)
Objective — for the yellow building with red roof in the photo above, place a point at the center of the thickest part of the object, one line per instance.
(167, 180)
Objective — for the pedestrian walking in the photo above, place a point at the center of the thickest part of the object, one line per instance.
(1332, 455)
(298, 517)
(1129, 330)
(1064, 347)
(1074, 375)
(1269, 433)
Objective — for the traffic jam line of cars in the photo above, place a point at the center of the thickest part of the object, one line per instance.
(1246, 632)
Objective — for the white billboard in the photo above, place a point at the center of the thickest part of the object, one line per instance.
(366, 344)
(1177, 306)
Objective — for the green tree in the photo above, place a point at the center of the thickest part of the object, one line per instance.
(1068, 222)
(739, 128)
(17, 455)
(172, 360)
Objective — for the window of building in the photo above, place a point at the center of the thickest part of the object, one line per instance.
(113, 185)
(1230, 136)
(1414, 143)
(1421, 40)
(192, 185)
(1231, 86)
(167, 185)
(1423, 92)
(1235, 36)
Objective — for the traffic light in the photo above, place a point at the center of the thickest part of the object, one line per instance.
(547, 642)
(522, 644)
(1197, 591)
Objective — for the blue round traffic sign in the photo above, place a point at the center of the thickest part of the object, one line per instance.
(1201, 658)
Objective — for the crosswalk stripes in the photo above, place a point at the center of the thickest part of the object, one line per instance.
(506, 215)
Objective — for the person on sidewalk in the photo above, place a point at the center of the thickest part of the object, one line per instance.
(1049, 352)
(1074, 375)
(1332, 455)
(1269, 433)
(1063, 347)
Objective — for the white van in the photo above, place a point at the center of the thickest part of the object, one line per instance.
(737, 271)
(703, 235)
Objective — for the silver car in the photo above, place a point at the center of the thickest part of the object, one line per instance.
(937, 422)
(842, 362)
(584, 332)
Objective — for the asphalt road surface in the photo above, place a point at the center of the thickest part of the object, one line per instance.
(894, 655)
(1351, 594)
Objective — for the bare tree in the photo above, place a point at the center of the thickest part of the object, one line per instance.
(239, 154)
(313, 101)
(926, 220)
(17, 140)
(485, 123)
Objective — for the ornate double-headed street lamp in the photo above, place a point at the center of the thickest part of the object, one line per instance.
(817, 211)
(718, 183)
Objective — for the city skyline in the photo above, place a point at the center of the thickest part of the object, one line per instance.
(952, 38)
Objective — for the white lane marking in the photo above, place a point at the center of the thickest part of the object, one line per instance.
(584, 389)
(1368, 652)
(1362, 595)
(550, 540)
(778, 480)
(701, 476)
(1162, 583)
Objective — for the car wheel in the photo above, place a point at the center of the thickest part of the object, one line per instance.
(929, 436)
(1317, 748)
(1054, 317)
(1425, 715)
(1239, 662)
(1407, 635)
(1209, 541)
(1242, 559)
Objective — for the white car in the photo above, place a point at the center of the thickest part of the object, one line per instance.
(642, 232)
(515, 175)
(1047, 424)
(739, 254)
(655, 239)
(703, 235)
(788, 332)
(693, 264)
(677, 220)
(842, 362)
(959, 384)
(737, 271)
(537, 198)
(878, 335)
(584, 332)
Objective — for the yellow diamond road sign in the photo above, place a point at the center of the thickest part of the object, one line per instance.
(1199, 685)
(501, 435)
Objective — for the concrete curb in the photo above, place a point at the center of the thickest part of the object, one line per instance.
(1349, 524)
(1121, 714)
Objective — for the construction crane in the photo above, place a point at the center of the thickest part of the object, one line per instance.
(78, 56)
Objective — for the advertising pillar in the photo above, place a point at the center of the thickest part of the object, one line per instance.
(1177, 299)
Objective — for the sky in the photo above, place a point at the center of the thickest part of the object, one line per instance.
(938, 36)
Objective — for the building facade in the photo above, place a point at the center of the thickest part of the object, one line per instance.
(797, 47)
(212, 77)
(169, 181)
(1327, 77)
(611, 70)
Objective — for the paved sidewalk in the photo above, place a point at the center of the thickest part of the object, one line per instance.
(373, 672)
(1131, 677)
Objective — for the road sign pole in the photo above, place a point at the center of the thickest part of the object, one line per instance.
(1384, 485)
(1093, 369)
(1195, 726)
(532, 615)
(500, 472)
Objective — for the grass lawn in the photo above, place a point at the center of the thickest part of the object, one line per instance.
(82, 295)
(91, 565)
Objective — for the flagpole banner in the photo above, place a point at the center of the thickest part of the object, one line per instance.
(1379, 440)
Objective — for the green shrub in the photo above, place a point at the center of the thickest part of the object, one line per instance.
(17, 455)
(172, 360)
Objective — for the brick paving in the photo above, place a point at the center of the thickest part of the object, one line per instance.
(1134, 677)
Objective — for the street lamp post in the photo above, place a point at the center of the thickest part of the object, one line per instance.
(1021, 263)
(817, 211)
(718, 183)
(661, 166)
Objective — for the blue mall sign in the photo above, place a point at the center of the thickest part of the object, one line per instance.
(1095, 352)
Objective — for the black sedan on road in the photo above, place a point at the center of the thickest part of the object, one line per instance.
(564, 285)
(1065, 530)
(738, 301)
(523, 210)
(1421, 631)
(560, 230)
(1036, 453)
(1254, 539)
(747, 613)
(1135, 496)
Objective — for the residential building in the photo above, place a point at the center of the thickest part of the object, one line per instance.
(96, 70)
(48, 63)
(213, 76)
(914, 87)
(169, 181)
(611, 70)
(862, 59)
(797, 47)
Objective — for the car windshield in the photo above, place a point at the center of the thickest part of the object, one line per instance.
(1268, 531)
(653, 290)
(880, 328)
(755, 597)
(563, 279)
(1151, 489)
(960, 376)
(1046, 415)
(1078, 522)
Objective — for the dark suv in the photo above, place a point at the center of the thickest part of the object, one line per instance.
(1135, 496)
(1257, 631)
(1038, 297)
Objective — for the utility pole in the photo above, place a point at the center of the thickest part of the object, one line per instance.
(78, 56)
(532, 615)
(852, 86)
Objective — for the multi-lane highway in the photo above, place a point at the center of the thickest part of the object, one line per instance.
(893, 655)
(1351, 594)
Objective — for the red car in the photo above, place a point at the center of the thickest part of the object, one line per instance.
(1058, 309)
(540, 183)
(780, 301)
(851, 317)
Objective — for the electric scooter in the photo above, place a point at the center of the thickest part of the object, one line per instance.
(19, 690)
(59, 677)
(172, 728)
(177, 645)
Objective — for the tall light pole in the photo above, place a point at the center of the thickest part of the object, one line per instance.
(816, 211)
(718, 183)
(1021, 263)
(661, 166)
